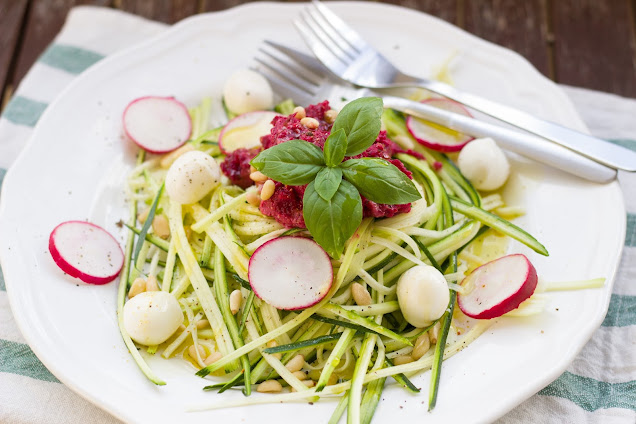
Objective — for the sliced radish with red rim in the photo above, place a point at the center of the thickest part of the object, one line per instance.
(157, 124)
(290, 273)
(498, 287)
(435, 136)
(86, 251)
(245, 131)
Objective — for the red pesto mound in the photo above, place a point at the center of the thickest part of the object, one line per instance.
(286, 205)
(237, 166)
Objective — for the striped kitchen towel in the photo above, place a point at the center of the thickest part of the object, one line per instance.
(599, 386)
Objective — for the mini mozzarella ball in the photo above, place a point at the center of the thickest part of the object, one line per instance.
(423, 295)
(150, 318)
(484, 164)
(192, 176)
(247, 91)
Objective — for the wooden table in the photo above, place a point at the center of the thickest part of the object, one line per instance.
(586, 43)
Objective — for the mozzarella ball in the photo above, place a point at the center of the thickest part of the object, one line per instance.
(192, 176)
(423, 295)
(247, 91)
(484, 164)
(150, 318)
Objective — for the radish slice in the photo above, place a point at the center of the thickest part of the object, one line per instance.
(157, 124)
(435, 136)
(86, 251)
(245, 131)
(498, 287)
(290, 273)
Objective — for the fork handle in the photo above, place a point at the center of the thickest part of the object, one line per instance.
(524, 144)
(595, 148)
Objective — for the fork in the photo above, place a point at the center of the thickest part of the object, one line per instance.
(302, 78)
(343, 51)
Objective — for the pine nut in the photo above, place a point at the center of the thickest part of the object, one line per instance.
(331, 115)
(169, 159)
(310, 123)
(296, 363)
(143, 215)
(236, 298)
(253, 198)
(188, 231)
(422, 345)
(269, 386)
(433, 333)
(268, 189)
(252, 169)
(299, 112)
(258, 177)
(192, 351)
(403, 359)
(202, 323)
(138, 286)
(214, 356)
(161, 227)
(151, 283)
(300, 375)
(182, 328)
(273, 343)
(360, 295)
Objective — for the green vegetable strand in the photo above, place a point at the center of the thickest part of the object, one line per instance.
(222, 298)
(334, 358)
(340, 409)
(123, 290)
(153, 239)
(499, 224)
(246, 310)
(304, 344)
(438, 357)
(144, 230)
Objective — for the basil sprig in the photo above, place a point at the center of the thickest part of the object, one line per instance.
(332, 206)
(295, 162)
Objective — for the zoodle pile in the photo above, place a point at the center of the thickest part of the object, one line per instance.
(193, 255)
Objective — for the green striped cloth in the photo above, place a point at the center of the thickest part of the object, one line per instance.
(599, 386)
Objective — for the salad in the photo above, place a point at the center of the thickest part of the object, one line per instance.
(315, 258)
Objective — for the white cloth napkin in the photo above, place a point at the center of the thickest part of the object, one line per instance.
(599, 386)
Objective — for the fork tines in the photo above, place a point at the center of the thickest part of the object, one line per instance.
(291, 74)
(330, 37)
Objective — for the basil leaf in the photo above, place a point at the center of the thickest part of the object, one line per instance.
(380, 181)
(327, 182)
(332, 222)
(294, 162)
(335, 147)
(360, 120)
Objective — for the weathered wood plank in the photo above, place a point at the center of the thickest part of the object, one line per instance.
(594, 44)
(216, 5)
(168, 11)
(443, 9)
(517, 25)
(45, 19)
(11, 17)
(594, 40)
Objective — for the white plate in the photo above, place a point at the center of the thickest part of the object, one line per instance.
(73, 168)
